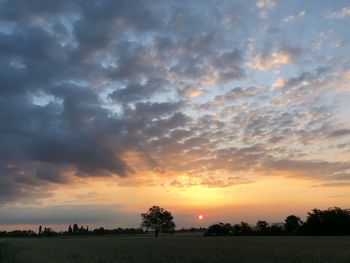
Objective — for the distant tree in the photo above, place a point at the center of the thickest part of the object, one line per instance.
(242, 229)
(246, 229)
(215, 230)
(219, 229)
(40, 230)
(75, 228)
(48, 232)
(275, 229)
(237, 229)
(227, 229)
(158, 220)
(333, 221)
(292, 224)
(100, 231)
(20, 233)
(70, 230)
(262, 227)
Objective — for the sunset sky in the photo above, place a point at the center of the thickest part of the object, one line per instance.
(231, 109)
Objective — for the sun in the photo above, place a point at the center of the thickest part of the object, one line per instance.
(200, 217)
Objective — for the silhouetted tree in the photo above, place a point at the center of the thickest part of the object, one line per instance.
(20, 233)
(228, 229)
(237, 229)
(40, 229)
(48, 232)
(99, 231)
(70, 230)
(158, 220)
(275, 229)
(262, 227)
(292, 224)
(219, 229)
(246, 229)
(75, 229)
(333, 221)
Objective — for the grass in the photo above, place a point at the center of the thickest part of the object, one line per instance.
(178, 248)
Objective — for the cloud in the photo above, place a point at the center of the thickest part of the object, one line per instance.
(343, 13)
(293, 17)
(335, 184)
(340, 133)
(103, 89)
(264, 6)
(264, 61)
(133, 92)
(190, 92)
(308, 169)
(278, 83)
(232, 96)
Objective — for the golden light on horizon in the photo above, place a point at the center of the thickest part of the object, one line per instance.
(200, 217)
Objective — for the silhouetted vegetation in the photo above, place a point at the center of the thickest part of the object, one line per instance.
(333, 221)
(18, 233)
(158, 220)
(75, 231)
(292, 224)
(243, 229)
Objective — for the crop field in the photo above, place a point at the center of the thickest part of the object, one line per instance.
(177, 248)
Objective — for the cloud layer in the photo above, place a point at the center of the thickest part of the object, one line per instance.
(206, 93)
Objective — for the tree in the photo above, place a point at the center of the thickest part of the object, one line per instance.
(219, 229)
(75, 229)
(70, 230)
(158, 220)
(245, 228)
(275, 229)
(262, 227)
(292, 224)
(40, 230)
(333, 221)
(48, 232)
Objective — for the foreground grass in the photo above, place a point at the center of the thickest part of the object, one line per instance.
(177, 249)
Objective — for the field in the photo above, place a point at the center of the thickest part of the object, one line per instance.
(178, 248)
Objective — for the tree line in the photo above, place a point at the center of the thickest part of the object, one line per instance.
(332, 221)
(74, 230)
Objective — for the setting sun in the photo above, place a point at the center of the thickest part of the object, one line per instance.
(200, 217)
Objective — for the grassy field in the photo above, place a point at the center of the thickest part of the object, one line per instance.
(178, 248)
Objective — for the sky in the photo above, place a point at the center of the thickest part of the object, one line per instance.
(236, 110)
